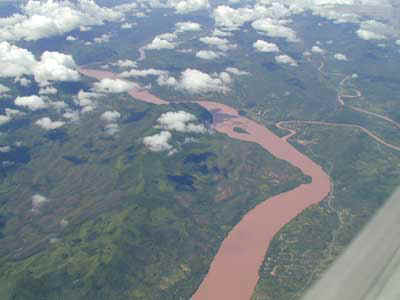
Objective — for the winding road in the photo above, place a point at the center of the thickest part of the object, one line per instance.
(359, 95)
(281, 125)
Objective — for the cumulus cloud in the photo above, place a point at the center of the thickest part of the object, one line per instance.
(158, 142)
(317, 49)
(48, 90)
(86, 100)
(340, 56)
(142, 73)
(187, 26)
(71, 115)
(15, 62)
(47, 124)
(108, 85)
(285, 59)
(222, 44)
(264, 46)
(55, 66)
(70, 38)
(49, 18)
(274, 28)
(128, 25)
(374, 30)
(195, 81)
(236, 71)
(187, 6)
(5, 149)
(369, 35)
(38, 201)
(111, 128)
(159, 43)
(127, 63)
(110, 116)
(221, 33)
(32, 102)
(180, 121)
(22, 81)
(231, 18)
(58, 105)
(104, 38)
(9, 114)
(208, 54)
(3, 89)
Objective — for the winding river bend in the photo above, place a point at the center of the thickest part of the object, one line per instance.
(233, 274)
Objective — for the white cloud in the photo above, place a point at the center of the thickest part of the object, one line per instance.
(158, 142)
(369, 35)
(48, 90)
(236, 71)
(33, 102)
(38, 201)
(4, 119)
(55, 66)
(195, 81)
(167, 80)
(15, 62)
(110, 116)
(58, 105)
(9, 114)
(70, 38)
(221, 33)
(225, 77)
(317, 49)
(187, 26)
(104, 38)
(71, 115)
(180, 121)
(187, 6)
(111, 128)
(285, 59)
(3, 89)
(85, 28)
(222, 44)
(264, 46)
(47, 124)
(208, 54)
(273, 28)
(85, 101)
(108, 85)
(23, 81)
(340, 56)
(231, 18)
(127, 63)
(159, 43)
(142, 73)
(128, 25)
(49, 18)
(5, 149)
(398, 42)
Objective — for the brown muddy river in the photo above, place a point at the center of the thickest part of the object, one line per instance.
(233, 274)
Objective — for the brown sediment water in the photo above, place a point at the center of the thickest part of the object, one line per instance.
(233, 274)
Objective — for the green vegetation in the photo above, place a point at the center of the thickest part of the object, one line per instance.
(122, 222)
(364, 174)
(240, 130)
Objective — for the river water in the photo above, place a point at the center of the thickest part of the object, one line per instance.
(233, 273)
